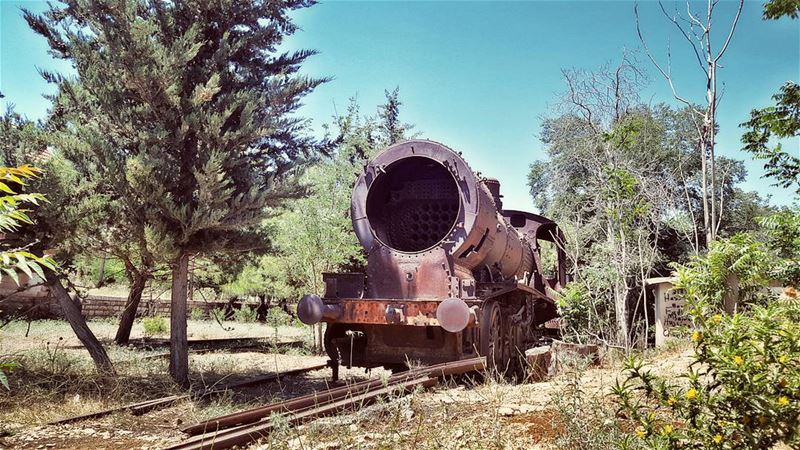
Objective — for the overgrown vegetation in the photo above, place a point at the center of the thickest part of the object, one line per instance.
(743, 388)
(154, 326)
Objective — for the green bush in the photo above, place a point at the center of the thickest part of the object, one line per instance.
(277, 317)
(782, 231)
(217, 314)
(245, 314)
(197, 314)
(154, 325)
(582, 314)
(584, 419)
(742, 390)
(738, 264)
(5, 368)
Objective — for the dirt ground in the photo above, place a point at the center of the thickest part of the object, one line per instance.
(56, 381)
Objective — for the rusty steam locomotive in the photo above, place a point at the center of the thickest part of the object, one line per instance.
(450, 274)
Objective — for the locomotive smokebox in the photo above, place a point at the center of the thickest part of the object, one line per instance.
(422, 213)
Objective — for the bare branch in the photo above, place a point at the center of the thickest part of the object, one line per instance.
(649, 54)
(730, 34)
(694, 19)
(674, 20)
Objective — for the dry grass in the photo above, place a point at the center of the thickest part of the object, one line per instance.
(55, 382)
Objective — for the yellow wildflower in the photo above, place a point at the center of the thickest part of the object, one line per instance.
(783, 359)
(716, 318)
(697, 336)
(717, 438)
(783, 401)
(671, 401)
(738, 360)
(641, 433)
(667, 429)
(691, 393)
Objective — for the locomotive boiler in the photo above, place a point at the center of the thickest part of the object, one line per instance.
(450, 274)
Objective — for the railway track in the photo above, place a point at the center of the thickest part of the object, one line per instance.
(250, 425)
(146, 406)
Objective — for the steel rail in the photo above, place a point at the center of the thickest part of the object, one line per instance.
(146, 406)
(248, 433)
(330, 395)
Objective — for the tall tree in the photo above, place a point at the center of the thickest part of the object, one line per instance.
(390, 129)
(623, 180)
(188, 109)
(697, 30)
(314, 234)
(55, 224)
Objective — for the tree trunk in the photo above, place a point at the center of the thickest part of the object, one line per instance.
(730, 299)
(179, 345)
(101, 278)
(72, 312)
(131, 307)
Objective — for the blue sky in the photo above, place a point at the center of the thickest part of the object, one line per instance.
(478, 76)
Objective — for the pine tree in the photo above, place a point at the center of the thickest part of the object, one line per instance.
(391, 129)
(186, 109)
(55, 224)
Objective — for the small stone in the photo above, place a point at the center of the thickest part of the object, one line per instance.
(505, 411)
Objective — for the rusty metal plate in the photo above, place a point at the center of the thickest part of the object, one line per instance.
(385, 312)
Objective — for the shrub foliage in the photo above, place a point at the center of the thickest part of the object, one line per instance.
(742, 388)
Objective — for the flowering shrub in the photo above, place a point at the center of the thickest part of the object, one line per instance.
(742, 390)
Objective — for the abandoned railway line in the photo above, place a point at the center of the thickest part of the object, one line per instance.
(250, 425)
(247, 426)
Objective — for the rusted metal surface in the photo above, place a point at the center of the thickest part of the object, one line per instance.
(106, 412)
(439, 247)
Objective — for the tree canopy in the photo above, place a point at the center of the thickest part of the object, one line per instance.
(185, 114)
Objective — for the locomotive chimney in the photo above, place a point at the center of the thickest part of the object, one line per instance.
(494, 188)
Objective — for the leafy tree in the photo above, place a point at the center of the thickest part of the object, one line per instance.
(782, 237)
(186, 108)
(390, 129)
(266, 277)
(775, 9)
(56, 221)
(624, 181)
(314, 234)
(13, 258)
(781, 121)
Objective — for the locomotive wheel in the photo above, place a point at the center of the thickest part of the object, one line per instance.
(493, 338)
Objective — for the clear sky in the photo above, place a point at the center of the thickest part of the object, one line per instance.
(478, 76)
